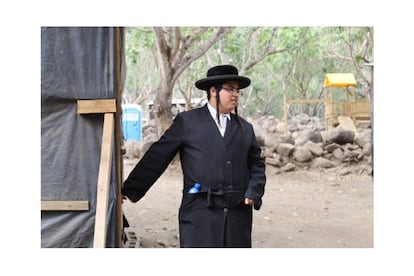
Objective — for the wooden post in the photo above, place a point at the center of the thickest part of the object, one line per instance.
(118, 135)
(108, 107)
(104, 179)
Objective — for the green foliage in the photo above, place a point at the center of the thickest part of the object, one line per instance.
(139, 45)
(138, 42)
(297, 69)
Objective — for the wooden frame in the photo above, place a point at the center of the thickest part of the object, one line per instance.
(104, 179)
(65, 205)
(96, 106)
(108, 107)
(112, 110)
(357, 110)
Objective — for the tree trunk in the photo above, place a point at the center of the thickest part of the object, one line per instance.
(162, 108)
(173, 58)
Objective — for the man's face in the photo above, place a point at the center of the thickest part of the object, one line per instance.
(229, 96)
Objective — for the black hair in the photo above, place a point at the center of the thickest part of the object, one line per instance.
(218, 89)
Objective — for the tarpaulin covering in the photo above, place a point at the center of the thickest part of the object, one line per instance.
(76, 63)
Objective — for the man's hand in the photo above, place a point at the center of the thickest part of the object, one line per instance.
(123, 197)
(248, 201)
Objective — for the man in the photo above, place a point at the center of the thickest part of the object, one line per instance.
(218, 150)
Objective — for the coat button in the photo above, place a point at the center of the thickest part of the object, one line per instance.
(225, 210)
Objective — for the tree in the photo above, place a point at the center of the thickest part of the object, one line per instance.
(177, 48)
(250, 46)
(244, 47)
(354, 47)
(164, 62)
(140, 53)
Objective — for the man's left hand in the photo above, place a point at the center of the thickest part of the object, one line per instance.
(248, 201)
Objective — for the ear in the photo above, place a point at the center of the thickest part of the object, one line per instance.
(213, 91)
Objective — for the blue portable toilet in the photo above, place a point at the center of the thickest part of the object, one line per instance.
(132, 122)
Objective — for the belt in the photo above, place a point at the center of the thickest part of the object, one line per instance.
(213, 192)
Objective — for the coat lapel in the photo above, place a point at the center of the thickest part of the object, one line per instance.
(231, 130)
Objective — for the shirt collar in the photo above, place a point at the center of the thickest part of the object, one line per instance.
(213, 112)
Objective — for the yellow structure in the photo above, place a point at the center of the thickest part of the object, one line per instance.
(336, 105)
(357, 110)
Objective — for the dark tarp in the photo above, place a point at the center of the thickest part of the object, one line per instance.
(76, 63)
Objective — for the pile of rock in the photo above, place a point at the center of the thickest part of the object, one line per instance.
(304, 142)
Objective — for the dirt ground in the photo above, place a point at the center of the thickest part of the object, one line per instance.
(306, 208)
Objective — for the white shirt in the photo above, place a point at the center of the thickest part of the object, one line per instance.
(223, 118)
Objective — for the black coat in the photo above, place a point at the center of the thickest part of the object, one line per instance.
(228, 168)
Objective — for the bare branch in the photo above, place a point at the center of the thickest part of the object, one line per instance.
(163, 49)
(144, 97)
(189, 40)
(177, 43)
(259, 58)
(199, 51)
(252, 60)
(337, 55)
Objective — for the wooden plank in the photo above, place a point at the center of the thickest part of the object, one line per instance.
(96, 106)
(118, 134)
(65, 205)
(104, 178)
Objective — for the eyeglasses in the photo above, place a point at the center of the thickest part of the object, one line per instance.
(232, 90)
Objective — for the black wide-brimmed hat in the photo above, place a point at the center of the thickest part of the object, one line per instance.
(220, 74)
